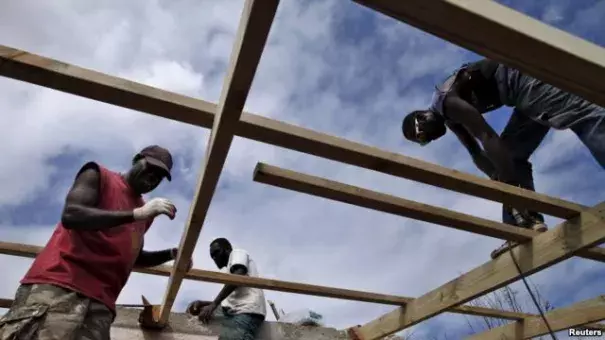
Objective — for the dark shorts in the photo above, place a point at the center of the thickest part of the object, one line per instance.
(47, 312)
(240, 326)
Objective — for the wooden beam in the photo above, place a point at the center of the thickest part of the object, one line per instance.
(361, 197)
(510, 37)
(573, 316)
(345, 193)
(60, 76)
(30, 251)
(349, 152)
(254, 28)
(54, 74)
(570, 317)
(5, 303)
(542, 251)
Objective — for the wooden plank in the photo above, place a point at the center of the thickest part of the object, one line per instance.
(60, 76)
(361, 197)
(5, 303)
(594, 253)
(534, 324)
(510, 37)
(254, 28)
(573, 316)
(542, 251)
(57, 75)
(349, 152)
(30, 251)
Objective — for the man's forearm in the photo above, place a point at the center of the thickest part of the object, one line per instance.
(87, 218)
(228, 289)
(475, 151)
(154, 258)
(473, 122)
(501, 159)
(222, 295)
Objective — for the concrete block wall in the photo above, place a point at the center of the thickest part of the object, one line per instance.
(185, 327)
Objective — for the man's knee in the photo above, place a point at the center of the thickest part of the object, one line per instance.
(592, 134)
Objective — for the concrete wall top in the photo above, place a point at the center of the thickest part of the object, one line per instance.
(185, 327)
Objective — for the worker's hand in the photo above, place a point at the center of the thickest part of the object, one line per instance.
(195, 307)
(153, 208)
(206, 312)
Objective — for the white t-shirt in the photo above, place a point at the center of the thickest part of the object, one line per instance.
(244, 299)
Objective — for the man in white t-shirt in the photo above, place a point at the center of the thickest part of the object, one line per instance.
(243, 308)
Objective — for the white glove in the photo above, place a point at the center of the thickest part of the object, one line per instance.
(153, 208)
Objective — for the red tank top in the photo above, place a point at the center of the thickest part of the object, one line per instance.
(96, 264)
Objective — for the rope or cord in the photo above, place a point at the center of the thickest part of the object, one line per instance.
(531, 294)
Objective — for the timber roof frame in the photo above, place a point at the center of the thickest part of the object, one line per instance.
(482, 26)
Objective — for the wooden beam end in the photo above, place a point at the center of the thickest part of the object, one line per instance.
(258, 171)
(354, 334)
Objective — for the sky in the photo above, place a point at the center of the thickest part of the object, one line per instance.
(333, 66)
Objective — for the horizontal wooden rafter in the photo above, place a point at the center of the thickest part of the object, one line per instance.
(485, 27)
(544, 250)
(5, 303)
(30, 251)
(35, 69)
(361, 197)
(498, 32)
(573, 316)
(255, 25)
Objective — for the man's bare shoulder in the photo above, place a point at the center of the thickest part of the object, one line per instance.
(89, 171)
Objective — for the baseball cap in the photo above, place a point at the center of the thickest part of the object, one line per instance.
(157, 156)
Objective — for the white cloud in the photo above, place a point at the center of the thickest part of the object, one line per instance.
(552, 14)
(309, 76)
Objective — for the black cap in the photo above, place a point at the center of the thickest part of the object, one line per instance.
(157, 156)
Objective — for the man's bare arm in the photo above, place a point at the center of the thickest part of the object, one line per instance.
(205, 313)
(81, 212)
(155, 258)
(465, 114)
(228, 289)
(478, 155)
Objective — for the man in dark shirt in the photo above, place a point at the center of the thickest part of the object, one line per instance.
(483, 86)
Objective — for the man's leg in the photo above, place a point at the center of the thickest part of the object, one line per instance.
(97, 323)
(22, 321)
(45, 312)
(591, 131)
(554, 107)
(522, 136)
(240, 326)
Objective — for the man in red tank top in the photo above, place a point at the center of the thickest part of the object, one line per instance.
(72, 286)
